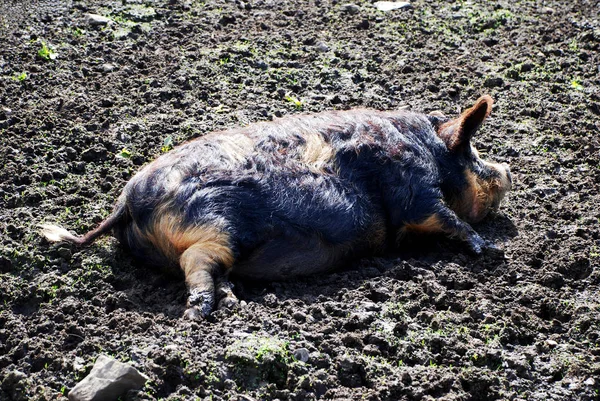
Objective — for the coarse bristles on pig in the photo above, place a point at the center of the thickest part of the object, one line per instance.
(300, 195)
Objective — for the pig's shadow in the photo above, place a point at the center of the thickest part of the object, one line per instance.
(425, 250)
(154, 291)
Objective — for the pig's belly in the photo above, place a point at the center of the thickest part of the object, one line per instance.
(292, 255)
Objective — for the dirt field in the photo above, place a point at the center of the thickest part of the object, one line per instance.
(84, 106)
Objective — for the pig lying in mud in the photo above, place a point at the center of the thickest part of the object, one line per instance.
(302, 195)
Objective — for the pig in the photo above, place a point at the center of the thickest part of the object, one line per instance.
(301, 195)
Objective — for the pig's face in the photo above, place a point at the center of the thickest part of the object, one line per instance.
(475, 186)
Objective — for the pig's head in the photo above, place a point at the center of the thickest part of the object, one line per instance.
(472, 187)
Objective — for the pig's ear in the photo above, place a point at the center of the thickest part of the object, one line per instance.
(457, 133)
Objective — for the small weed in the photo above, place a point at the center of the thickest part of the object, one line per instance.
(295, 101)
(124, 153)
(46, 53)
(576, 84)
(167, 144)
(21, 77)
(52, 291)
(573, 46)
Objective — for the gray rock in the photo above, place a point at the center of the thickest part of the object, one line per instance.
(350, 8)
(392, 5)
(97, 20)
(322, 47)
(108, 67)
(108, 380)
(302, 355)
(141, 13)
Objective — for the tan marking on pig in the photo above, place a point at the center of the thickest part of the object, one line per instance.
(168, 234)
(236, 147)
(480, 196)
(431, 224)
(317, 152)
(504, 184)
(173, 179)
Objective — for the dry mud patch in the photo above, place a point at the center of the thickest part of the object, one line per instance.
(82, 107)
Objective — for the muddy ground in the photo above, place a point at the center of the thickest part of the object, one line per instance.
(83, 107)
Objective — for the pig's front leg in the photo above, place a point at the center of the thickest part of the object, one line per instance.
(442, 219)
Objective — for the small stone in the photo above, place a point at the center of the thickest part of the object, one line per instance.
(108, 67)
(108, 380)
(350, 8)
(590, 382)
(97, 20)
(302, 355)
(262, 65)
(551, 343)
(371, 307)
(386, 6)
(5, 112)
(141, 13)
(322, 47)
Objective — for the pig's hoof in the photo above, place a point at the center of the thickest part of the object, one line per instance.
(227, 299)
(194, 314)
(200, 304)
(229, 302)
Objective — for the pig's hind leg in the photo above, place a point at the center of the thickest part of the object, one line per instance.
(204, 264)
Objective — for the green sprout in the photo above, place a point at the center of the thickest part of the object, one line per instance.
(576, 84)
(46, 52)
(295, 101)
(21, 77)
(124, 153)
(167, 144)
